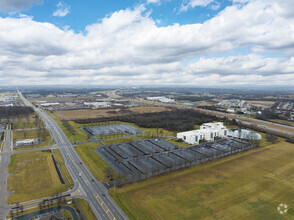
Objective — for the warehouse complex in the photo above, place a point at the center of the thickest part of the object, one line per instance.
(207, 132)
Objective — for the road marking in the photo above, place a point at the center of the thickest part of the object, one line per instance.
(104, 206)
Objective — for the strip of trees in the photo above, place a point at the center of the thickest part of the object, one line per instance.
(175, 120)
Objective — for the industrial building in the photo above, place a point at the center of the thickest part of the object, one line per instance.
(207, 132)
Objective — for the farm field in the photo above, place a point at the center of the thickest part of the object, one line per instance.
(92, 160)
(249, 185)
(259, 102)
(98, 113)
(147, 109)
(34, 176)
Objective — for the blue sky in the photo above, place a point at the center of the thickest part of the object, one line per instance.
(163, 42)
(82, 13)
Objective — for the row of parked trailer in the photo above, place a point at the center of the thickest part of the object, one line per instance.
(145, 158)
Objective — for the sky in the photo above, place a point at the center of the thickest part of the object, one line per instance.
(147, 42)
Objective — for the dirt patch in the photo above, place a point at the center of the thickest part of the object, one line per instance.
(146, 109)
(269, 103)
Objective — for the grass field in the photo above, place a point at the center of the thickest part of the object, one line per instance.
(249, 185)
(26, 122)
(118, 140)
(63, 168)
(78, 135)
(98, 113)
(92, 160)
(291, 123)
(34, 176)
(86, 209)
(66, 214)
(259, 102)
(31, 134)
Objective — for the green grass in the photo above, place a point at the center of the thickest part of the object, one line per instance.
(118, 140)
(86, 209)
(34, 176)
(31, 134)
(66, 214)
(78, 134)
(179, 144)
(92, 160)
(24, 123)
(63, 168)
(249, 185)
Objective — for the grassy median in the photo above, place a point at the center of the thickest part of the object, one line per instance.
(249, 185)
(63, 168)
(34, 176)
(86, 209)
(92, 160)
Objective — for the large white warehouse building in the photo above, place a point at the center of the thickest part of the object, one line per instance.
(207, 132)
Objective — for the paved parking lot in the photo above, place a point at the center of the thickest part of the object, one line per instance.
(142, 159)
(113, 129)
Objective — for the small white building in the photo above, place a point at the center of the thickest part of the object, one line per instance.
(26, 142)
(207, 132)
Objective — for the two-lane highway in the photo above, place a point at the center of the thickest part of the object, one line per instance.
(94, 191)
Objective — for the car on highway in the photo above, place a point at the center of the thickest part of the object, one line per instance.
(80, 162)
(80, 174)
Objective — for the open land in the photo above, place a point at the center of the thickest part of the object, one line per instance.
(92, 160)
(259, 102)
(98, 113)
(249, 185)
(34, 176)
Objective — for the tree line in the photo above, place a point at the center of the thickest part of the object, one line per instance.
(12, 111)
(175, 120)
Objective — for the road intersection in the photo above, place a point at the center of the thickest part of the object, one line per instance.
(92, 190)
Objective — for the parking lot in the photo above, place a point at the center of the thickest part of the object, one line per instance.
(142, 159)
(112, 129)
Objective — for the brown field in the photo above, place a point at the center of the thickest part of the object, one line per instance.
(270, 103)
(84, 113)
(98, 113)
(145, 109)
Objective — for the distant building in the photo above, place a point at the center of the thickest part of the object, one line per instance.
(207, 132)
(98, 104)
(50, 104)
(162, 99)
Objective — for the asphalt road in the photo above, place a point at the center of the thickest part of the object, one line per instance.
(5, 159)
(94, 191)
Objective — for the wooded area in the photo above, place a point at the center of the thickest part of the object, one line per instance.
(175, 120)
(13, 111)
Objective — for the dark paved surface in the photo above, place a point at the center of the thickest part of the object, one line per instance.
(144, 158)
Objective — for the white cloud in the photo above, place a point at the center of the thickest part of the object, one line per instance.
(153, 1)
(128, 47)
(62, 10)
(194, 3)
(17, 5)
